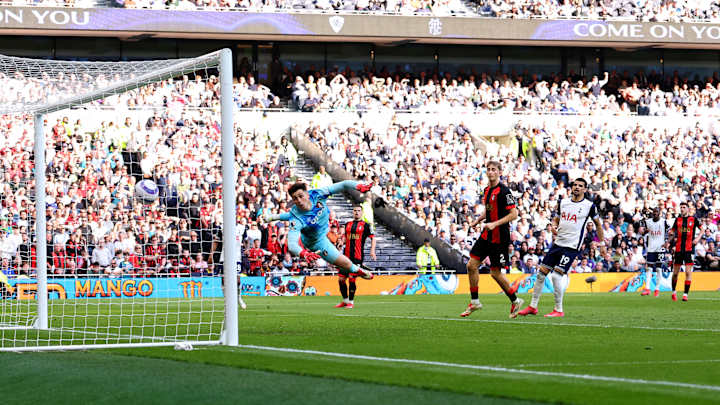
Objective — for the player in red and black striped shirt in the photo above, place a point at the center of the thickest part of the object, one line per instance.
(356, 233)
(687, 230)
(494, 242)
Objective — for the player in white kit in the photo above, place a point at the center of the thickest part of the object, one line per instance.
(568, 226)
(656, 235)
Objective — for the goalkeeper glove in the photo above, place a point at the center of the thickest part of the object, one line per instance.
(309, 256)
(363, 188)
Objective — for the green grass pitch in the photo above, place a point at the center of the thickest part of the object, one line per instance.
(609, 349)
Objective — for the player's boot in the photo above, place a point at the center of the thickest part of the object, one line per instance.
(555, 314)
(674, 296)
(645, 292)
(685, 297)
(470, 309)
(657, 293)
(349, 305)
(515, 307)
(528, 311)
(364, 272)
(341, 304)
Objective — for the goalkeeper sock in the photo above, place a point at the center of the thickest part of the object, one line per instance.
(353, 288)
(537, 289)
(343, 289)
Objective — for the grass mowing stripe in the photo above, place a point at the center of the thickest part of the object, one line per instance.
(549, 323)
(106, 378)
(489, 368)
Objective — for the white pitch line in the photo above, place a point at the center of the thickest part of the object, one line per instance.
(550, 323)
(705, 299)
(619, 363)
(589, 377)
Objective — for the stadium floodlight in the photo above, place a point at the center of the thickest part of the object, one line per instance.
(149, 295)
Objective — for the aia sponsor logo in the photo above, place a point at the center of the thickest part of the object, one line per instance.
(568, 216)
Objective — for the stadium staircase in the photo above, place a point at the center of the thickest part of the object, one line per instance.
(394, 255)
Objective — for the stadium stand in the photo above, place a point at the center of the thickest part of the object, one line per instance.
(433, 173)
(620, 10)
(94, 164)
(652, 11)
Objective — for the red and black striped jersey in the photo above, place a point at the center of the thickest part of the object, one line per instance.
(498, 202)
(356, 232)
(685, 228)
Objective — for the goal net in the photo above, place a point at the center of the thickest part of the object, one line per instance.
(117, 203)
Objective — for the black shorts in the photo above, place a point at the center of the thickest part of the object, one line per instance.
(497, 252)
(684, 258)
(559, 257)
(656, 258)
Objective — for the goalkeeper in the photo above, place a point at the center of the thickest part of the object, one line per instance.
(309, 225)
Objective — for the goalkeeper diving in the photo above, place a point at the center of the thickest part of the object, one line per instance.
(309, 224)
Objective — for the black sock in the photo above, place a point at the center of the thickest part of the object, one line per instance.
(474, 293)
(674, 284)
(353, 288)
(687, 286)
(512, 297)
(343, 289)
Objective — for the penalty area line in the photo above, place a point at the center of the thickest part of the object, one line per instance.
(588, 377)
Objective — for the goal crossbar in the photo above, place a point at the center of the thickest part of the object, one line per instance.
(174, 68)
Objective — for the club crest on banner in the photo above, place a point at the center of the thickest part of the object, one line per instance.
(336, 23)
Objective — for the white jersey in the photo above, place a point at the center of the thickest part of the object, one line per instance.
(573, 222)
(656, 235)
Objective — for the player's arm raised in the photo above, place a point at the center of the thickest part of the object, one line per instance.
(347, 185)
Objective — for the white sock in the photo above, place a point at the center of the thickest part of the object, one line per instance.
(351, 302)
(558, 289)
(648, 277)
(658, 274)
(537, 289)
(475, 302)
(346, 300)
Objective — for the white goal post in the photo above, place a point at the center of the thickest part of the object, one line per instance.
(47, 301)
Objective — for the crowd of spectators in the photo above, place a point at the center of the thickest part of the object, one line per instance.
(616, 93)
(640, 10)
(96, 226)
(435, 175)
(170, 133)
(636, 10)
(427, 7)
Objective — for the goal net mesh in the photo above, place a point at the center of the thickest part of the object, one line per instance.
(133, 204)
